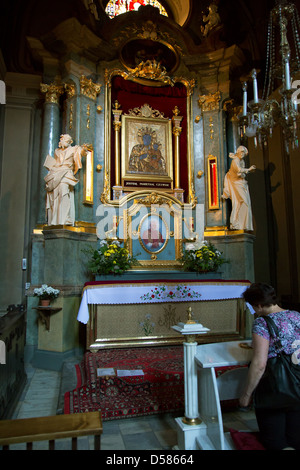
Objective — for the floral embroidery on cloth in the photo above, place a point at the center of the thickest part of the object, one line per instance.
(288, 324)
(179, 292)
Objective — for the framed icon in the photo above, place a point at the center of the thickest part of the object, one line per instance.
(146, 153)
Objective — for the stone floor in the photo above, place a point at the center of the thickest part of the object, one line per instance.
(42, 397)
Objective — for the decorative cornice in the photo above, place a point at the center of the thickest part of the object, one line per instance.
(189, 84)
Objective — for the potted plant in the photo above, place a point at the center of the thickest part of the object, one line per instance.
(45, 293)
(204, 259)
(110, 258)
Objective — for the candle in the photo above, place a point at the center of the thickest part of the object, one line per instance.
(255, 92)
(287, 75)
(245, 99)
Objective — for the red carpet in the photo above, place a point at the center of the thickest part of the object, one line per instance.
(160, 389)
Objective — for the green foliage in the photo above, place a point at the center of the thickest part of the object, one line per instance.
(109, 258)
(204, 259)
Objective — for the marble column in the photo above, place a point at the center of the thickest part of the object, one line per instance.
(50, 137)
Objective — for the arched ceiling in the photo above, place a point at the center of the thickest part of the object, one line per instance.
(180, 9)
(244, 24)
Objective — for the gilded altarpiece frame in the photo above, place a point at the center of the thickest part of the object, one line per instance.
(113, 126)
(153, 232)
(125, 125)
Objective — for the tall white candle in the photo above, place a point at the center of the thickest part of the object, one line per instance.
(287, 75)
(255, 92)
(245, 99)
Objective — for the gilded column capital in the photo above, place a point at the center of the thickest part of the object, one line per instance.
(177, 131)
(117, 125)
(70, 89)
(52, 91)
(209, 102)
(89, 88)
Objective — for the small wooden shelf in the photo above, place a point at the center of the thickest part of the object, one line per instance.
(45, 313)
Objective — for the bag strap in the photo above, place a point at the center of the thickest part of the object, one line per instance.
(273, 330)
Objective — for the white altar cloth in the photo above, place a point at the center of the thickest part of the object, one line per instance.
(156, 292)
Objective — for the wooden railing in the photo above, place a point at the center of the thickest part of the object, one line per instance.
(50, 428)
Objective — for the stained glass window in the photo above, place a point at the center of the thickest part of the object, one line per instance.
(117, 7)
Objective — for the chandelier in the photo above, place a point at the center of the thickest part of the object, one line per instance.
(259, 116)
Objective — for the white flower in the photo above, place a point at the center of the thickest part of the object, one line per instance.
(46, 292)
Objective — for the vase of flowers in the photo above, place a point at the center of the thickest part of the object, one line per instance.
(46, 293)
(110, 258)
(204, 259)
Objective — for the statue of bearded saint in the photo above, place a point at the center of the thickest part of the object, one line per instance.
(60, 181)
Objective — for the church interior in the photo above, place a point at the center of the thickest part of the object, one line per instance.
(158, 131)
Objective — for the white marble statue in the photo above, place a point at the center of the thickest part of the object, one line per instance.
(212, 19)
(236, 188)
(60, 181)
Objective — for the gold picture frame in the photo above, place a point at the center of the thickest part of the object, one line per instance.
(147, 157)
(213, 187)
(88, 180)
(153, 233)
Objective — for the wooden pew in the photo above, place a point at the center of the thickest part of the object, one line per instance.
(50, 428)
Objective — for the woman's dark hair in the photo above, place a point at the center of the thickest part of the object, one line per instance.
(260, 294)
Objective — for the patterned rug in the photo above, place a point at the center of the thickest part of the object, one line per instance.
(159, 390)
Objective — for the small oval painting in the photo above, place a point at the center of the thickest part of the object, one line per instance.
(153, 233)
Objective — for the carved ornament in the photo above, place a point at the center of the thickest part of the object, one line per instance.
(89, 88)
(153, 199)
(53, 92)
(151, 70)
(147, 31)
(146, 111)
(209, 102)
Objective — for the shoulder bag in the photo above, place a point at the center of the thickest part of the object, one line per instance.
(279, 387)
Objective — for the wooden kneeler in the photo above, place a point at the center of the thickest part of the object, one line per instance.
(50, 428)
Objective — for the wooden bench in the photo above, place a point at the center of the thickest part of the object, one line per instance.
(50, 428)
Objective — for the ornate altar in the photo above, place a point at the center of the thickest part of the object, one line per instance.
(147, 310)
(153, 119)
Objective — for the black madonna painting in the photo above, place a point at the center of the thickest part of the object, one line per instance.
(146, 157)
(147, 153)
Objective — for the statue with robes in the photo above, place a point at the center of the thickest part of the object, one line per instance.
(60, 181)
(236, 188)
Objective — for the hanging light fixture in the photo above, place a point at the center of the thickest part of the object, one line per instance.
(261, 115)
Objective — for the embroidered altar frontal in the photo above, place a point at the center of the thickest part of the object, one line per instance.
(143, 313)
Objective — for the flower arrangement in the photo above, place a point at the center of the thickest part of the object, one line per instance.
(203, 259)
(46, 292)
(110, 258)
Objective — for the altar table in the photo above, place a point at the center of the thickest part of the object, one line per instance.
(122, 313)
